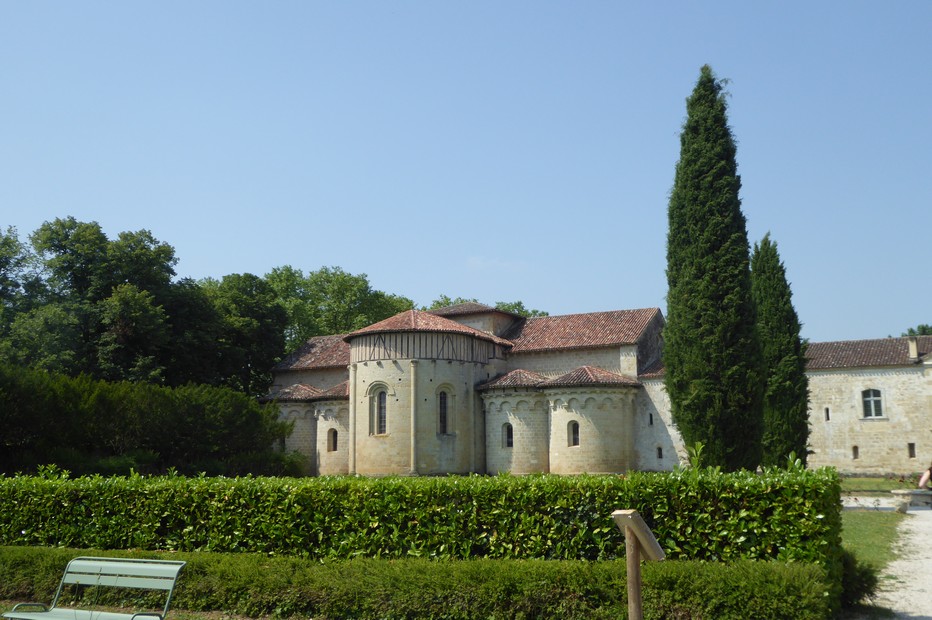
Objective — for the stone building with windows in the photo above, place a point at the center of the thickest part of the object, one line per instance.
(470, 388)
(870, 405)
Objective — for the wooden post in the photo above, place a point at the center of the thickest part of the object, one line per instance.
(633, 564)
(639, 540)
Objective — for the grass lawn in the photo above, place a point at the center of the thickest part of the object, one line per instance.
(876, 486)
(871, 534)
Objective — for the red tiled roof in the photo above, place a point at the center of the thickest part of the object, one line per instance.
(514, 379)
(592, 376)
(318, 352)
(302, 392)
(863, 353)
(579, 331)
(423, 321)
(293, 393)
(582, 376)
(879, 352)
(338, 392)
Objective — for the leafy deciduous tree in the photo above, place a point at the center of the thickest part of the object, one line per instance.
(252, 334)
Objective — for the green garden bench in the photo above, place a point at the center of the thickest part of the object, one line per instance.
(85, 572)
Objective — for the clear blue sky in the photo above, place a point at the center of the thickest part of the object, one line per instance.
(496, 150)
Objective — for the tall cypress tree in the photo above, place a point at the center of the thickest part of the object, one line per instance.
(786, 399)
(711, 349)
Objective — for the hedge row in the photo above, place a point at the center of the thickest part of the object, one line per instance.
(91, 426)
(255, 585)
(695, 514)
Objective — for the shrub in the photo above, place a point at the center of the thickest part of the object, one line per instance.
(257, 585)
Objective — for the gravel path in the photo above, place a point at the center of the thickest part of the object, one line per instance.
(906, 583)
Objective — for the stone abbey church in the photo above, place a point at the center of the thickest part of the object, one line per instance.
(470, 388)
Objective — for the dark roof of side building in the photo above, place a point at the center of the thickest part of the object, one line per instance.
(864, 353)
(876, 353)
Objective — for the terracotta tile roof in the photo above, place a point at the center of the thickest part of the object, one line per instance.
(423, 321)
(592, 376)
(653, 371)
(579, 331)
(467, 309)
(302, 392)
(293, 393)
(879, 352)
(863, 353)
(580, 377)
(514, 379)
(318, 352)
(338, 392)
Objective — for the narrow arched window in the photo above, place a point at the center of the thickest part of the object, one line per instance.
(508, 436)
(381, 415)
(872, 404)
(572, 433)
(442, 422)
(332, 440)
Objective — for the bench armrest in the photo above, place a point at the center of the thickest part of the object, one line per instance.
(41, 606)
(147, 614)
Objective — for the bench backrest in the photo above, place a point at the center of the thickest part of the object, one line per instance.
(122, 573)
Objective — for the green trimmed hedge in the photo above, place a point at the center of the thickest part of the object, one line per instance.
(695, 515)
(256, 585)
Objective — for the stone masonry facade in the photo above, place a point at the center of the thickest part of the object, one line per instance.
(471, 389)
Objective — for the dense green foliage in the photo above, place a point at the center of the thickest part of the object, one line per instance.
(786, 399)
(75, 301)
(255, 585)
(87, 426)
(711, 350)
(330, 301)
(921, 330)
(695, 514)
(515, 307)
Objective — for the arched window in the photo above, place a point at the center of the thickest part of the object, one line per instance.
(332, 440)
(378, 414)
(442, 422)
(381, 424)
(872, 405)
(508, 436)
(572, 433)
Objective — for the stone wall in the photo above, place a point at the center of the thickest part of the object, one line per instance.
(658, 445)
(527, 414)
(332, 454)
(899, 441)
(303, 438)
(605, 435)
(413, 388)
(621, 360)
